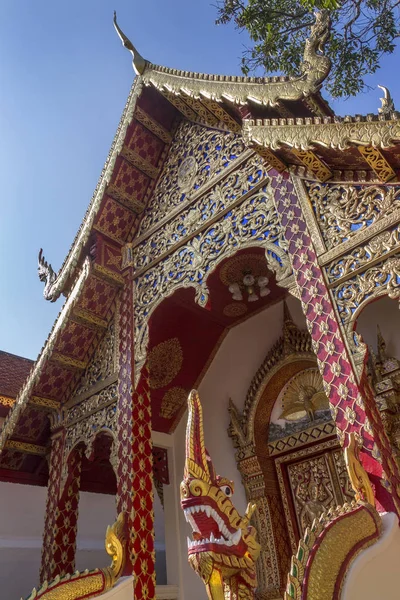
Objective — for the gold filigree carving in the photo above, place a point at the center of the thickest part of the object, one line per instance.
(358, 476)
(172, 401)
(26, 448)
(377, 162)
(272, 159)
(313, 164)
(352, 295)
(222, 115)
(6, 401)
(152, 125)
(164, 363)
(68, 361)
(128, 200)
(235, 309)
(385, 243)
(102, 365)
(236, 186)
(327, 132)
(253, 223)
(89, 319)
(327, 549)
(211, 150)
(344, 211)
(233, 269)
(139, 162)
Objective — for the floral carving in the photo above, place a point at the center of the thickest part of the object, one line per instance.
(103, 363)
(210, 152)
(353, 294)
(253, 223)
(379, 245)
(222, 195)
(343, 211)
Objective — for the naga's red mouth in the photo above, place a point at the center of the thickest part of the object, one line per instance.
(209, 528)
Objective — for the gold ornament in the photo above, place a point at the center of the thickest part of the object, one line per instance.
(303, 396)
(164, 363)
(235, 309)
(172, 401)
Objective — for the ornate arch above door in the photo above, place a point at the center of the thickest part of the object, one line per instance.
(288, 370)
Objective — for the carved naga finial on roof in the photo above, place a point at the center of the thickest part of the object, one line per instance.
(46, 275)
(387, 102)
(138, 62)
(315, 62)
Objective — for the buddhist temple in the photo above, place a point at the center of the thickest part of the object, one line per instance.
(222, 384)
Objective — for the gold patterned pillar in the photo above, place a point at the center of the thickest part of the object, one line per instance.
(351, 401)
(134, 469)
(59, 538)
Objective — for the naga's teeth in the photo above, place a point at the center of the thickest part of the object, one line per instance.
(189, 542)
(208, 510)
(212, 538)
(236, 537)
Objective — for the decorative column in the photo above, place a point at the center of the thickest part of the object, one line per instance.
(59, 538)
(134, 470)
(352, 404)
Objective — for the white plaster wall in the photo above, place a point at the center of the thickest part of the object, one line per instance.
(229, 375)
(22, 513)
(385, 313)
(375, 573)
(22, 510)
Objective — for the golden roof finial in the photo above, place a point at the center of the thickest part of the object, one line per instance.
(387, 102)
(138, 62)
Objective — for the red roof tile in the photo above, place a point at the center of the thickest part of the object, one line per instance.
(13, 372)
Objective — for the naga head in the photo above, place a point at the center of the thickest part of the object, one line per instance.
(45, 270)
(223, 545)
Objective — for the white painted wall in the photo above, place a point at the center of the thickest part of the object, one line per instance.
(375, 573)
(229, 375)
(22, 511)
(385, 313)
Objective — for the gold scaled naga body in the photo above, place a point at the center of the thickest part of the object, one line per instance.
(224, 550)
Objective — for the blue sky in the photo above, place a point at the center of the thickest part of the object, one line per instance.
(64, 79)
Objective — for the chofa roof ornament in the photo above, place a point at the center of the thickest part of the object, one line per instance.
(138, 62)
(387, 107)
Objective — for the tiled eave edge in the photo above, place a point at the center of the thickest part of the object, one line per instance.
(33, 377)
(336, 133)
(71, 261)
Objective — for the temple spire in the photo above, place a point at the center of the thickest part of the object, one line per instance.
(381, 345)
(138, 62)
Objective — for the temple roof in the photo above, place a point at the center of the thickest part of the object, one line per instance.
(285, 120)
(13, 372)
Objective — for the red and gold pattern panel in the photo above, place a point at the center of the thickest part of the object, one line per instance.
(33, 426)
(182, 339)
(184, 336)
(157, 107)
(144, 143)
(53, 382)
(75, 340)
(97, 297)
(108, 255)
(114, 220)
(11, 459)
(130, 181)
(351, 403)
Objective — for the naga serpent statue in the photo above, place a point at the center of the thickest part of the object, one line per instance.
(224, 550)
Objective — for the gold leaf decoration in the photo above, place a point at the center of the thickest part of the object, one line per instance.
(172, 401)
(164, 363)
